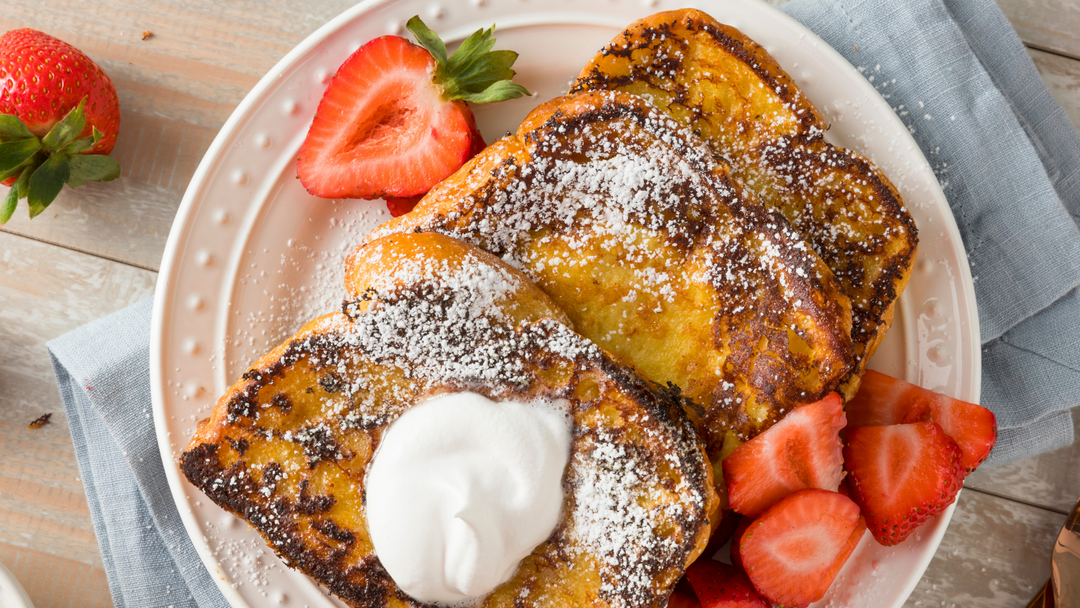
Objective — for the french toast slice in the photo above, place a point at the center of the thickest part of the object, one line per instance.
(633, 228)
(734, 95)
(287, 446)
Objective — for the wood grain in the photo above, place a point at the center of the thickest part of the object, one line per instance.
(1062, 77)
(1050, 25)
(45, 291)
(81, 585)
(1051, 480)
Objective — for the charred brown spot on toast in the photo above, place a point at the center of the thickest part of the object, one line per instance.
(733, 94)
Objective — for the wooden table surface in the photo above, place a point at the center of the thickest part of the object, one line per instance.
(97, 250)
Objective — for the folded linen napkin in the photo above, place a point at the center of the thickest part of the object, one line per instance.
(1013, 182)
(103, 372)
(1009, 163)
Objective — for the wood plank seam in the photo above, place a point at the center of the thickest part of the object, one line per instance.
(1051, 51)
(78, 250)
(1017, 500)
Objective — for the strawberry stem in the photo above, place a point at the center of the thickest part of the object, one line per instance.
(474, 72)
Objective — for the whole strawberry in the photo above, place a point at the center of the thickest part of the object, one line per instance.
(59, 116)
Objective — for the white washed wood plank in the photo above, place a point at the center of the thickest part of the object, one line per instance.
(45, 291)
(995, 554)
(1053, 25)
(176, 89)
(79, 585)
(1049, 480)
(1062, 76)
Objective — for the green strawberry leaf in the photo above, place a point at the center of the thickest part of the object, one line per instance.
(474, 72)
(471, 49)
(11, 128)
(79, 145)
(92, 168)
(47, 182)
(485, 71)
(18, 190)
(427, 39)
(65, 131)
(8, 207)
(499, 91)
(15, 154)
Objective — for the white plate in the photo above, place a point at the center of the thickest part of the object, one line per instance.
(252, 256)
(12, 594)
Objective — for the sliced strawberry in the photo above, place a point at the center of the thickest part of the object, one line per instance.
(883, 399)
(801, 451)
(678, 599)
(736, 542)
(727, 520)
(849, 547)
(399, 206)
(719, 585)
(790, 552)
(393, 122)
(901, 475)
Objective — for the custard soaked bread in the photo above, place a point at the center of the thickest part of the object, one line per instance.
(634, 229)
(733, 94)
(288, 445)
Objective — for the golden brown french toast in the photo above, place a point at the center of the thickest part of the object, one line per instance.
(288, 445)
(633, 228)
(734, 95)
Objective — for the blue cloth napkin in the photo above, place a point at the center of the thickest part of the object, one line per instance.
(1008, 160)
(1010, 166)
(103, 372)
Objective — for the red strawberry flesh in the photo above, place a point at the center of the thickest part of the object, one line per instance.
(801, 451)
(382, 128)
(719, 585)
(736, 541)
(883, 400)
(790, 552)
(901, 475)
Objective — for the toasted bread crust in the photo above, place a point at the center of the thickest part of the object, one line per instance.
(733, 94)
(750, 323)
(287, 447)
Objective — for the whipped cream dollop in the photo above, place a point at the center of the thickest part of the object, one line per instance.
(462, 488)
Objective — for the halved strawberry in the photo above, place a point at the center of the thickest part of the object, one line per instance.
(800, 451)
(883, 399)
(719, 585)
(393, 122)
(901, 475)
(790, 552)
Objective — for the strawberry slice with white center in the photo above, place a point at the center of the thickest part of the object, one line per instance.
(791, 552)
(901, 475)
(393, 121)
(883, 400)
(801, 451)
